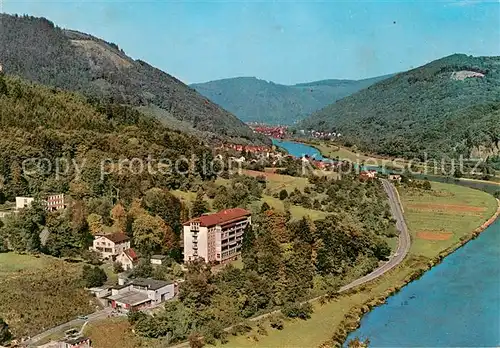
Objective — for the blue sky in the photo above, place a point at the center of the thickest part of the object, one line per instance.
(282, 41)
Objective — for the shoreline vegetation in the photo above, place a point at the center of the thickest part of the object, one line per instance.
(334, 152)
(352, 320)
(342, 313)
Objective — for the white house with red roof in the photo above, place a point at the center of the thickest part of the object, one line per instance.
(128, 259)
(216, 237)
(111, 245)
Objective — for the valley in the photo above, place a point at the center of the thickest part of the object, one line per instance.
(152, 194)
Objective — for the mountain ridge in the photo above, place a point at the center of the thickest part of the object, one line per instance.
(426, 110)
(256, 100)
(37, 50)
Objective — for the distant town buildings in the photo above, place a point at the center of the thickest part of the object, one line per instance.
(247, 148)
(277, 132)
(321, 135)
(215, 237)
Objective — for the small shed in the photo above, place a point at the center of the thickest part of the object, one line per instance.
(158, 259)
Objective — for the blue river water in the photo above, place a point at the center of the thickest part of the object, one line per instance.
(299, 150)
(455, 304)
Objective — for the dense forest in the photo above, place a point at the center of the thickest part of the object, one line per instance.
(254, 100)
(440, 109)
(64, 128)
(34, 48)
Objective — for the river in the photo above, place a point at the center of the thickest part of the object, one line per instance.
(299, 149)
(455, 304)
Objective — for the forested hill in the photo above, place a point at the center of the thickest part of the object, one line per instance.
(450, 106)
(39, 51)
(257, 100)
(40, 126)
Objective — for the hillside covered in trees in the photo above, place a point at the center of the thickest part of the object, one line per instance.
(254, 100)
(53, 141)
(41, 127)
(35, 49)
(450, 106)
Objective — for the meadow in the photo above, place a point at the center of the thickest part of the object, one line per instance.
(439, 218)
(39, 292)
(274, 184)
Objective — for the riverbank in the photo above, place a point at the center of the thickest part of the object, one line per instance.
(353, 317)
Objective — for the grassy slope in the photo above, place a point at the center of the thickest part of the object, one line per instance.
(327, 317)
(275, 183)
(39, 292)
(450, 208)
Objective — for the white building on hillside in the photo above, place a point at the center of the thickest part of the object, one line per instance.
(216, 237)
(111, 245)
(23, 202)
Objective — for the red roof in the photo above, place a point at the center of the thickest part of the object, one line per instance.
(220, 218)
(131, 254)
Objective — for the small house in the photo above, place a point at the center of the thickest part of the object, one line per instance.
(128, 259)
(158, 259)
(111, 245)
(395, 177)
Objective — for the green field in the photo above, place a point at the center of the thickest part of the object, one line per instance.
(334, 151)
(277, 182)
(39, 292)
(11, 263)
(274, 184)
(469, 209)
(296, 211)
(439, 218)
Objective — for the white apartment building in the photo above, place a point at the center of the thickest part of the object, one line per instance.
(55, 202)
(23, 202)
(216, 237)
(50, 202)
